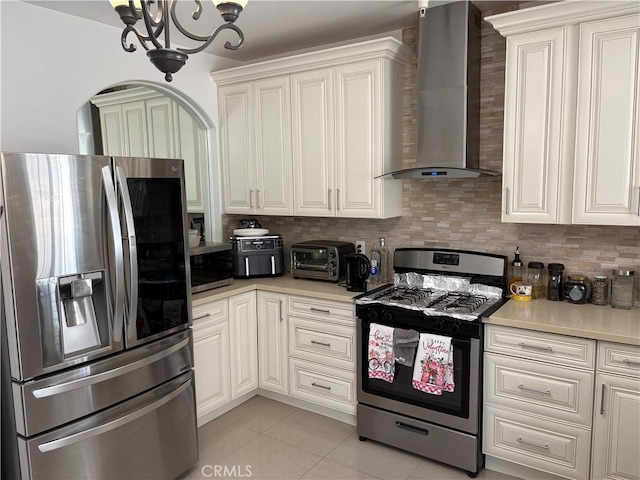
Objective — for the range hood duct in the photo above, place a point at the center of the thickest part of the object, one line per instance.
(448, 124)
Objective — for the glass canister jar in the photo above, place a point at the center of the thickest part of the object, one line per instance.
(577, 289)
(535, 279)
(622, 288)
(600, 290)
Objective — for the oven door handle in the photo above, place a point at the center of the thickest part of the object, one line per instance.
(412, 429)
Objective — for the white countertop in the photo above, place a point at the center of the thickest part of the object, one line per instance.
(283, 284)
(586, 321)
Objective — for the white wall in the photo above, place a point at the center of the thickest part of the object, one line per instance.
(52, 63)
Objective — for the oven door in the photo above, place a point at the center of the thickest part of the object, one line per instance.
(458, 409)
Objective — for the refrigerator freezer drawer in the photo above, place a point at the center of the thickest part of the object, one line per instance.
(151, 436)
(61, 398)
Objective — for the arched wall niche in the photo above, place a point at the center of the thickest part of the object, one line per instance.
(210, 168)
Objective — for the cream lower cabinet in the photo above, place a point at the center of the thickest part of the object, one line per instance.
(243, 327)
(538, 400)
(272, 342)
(322, 364)
(319, 127)
(211, 356)
(572, 113)
(616, 417)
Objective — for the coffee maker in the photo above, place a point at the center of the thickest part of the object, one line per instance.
(357, 272)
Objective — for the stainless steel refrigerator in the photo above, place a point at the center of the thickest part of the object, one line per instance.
(97, 356)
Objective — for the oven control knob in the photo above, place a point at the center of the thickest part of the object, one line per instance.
(387, 317)
(372, 315)
(439, 325)
(455, 328)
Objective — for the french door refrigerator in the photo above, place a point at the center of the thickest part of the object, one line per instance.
(97, 355)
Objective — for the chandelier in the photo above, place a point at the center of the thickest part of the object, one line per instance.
(157, 20)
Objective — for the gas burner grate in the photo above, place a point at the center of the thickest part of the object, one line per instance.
(459, 302)
(404, 295)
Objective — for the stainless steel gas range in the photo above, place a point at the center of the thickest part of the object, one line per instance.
(420, 353)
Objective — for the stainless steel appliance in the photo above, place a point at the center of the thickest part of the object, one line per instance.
(448, 103)
(320, 259)
(435, 291)
(211, 266)
(97, 355)
(357, 271)
(259, 256)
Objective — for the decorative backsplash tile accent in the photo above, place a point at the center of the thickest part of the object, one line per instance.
(465, 213)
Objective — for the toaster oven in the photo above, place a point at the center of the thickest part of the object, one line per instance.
(320, 259)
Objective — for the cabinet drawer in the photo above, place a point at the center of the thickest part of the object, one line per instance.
(557, 392)
(325, 386)
(547, 347)
(540, 444)
(212, 312)
(619, 358)
(321, 342)
(324, 309)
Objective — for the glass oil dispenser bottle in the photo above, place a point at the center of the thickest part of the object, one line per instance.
(518, 273)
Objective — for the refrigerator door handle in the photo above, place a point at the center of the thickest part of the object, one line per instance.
(133, 253)
(112, 206)
(108, 375)
(106, 427)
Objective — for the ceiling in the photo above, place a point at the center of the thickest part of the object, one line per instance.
(274, 27)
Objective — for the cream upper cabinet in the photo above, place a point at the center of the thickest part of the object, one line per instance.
(255, 131)
(319, 127)
(572, 107)
(139, 122)
(313, 140)
(607, 168)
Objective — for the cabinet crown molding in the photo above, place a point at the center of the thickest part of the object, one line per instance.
(568, 12)
(127, 95)
(387, 47)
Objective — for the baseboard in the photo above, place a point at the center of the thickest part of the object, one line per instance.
(515, 470)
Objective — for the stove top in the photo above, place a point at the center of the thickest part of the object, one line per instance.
(462, 305)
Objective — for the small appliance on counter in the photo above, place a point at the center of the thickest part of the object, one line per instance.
(358, 269)
(320, 259)
(211, 266)
(257, 256)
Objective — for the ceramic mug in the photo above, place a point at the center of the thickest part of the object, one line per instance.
(521, 288)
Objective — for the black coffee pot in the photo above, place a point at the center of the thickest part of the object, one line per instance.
(357, 272)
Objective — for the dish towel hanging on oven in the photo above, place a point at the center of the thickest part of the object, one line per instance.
(433, 368)
(381, 361)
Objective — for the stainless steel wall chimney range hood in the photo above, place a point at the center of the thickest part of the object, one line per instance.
(448, 124)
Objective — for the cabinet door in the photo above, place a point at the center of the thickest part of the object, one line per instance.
(538, 127)
(236, 143)
(160, 127)
(112, 130)
(189, 141)
(616, 436)
(273, 164)
(313, 143)
(358, 134)
(134, 118)
(244, 343)
(272, 341)
(211, 356)
(607, 169)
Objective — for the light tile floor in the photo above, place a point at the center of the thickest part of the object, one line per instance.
(265, 439)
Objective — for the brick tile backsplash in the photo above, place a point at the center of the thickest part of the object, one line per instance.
(465, 213)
